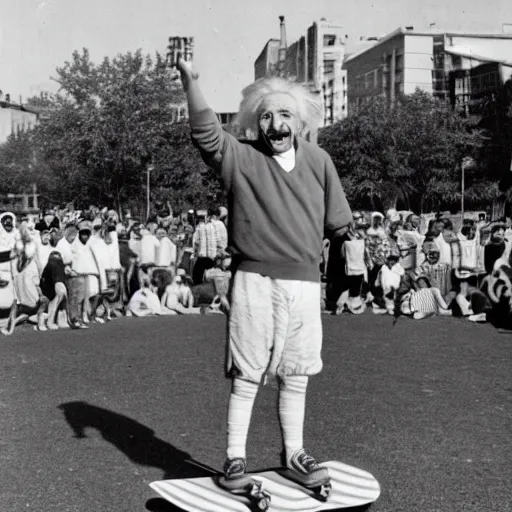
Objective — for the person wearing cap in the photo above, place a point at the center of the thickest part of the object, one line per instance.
(376, 228)
(49, 220)
(205, 246)
(79, 287)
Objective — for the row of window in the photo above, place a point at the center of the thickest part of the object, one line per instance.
(477, 84)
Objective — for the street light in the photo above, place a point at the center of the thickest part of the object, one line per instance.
(466, 162)
(148, 190)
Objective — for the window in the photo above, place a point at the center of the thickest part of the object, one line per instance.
(329, 40)
(328, 66)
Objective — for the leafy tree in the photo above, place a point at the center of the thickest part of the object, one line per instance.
(103, 129)
(408, 155)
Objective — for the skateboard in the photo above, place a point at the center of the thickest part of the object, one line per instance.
(351, 487)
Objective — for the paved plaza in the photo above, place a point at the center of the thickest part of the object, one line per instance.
(89, 418)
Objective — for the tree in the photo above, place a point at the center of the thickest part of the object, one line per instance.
(408, 154)
(106, 125)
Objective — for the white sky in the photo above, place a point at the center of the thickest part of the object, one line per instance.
(37, 36)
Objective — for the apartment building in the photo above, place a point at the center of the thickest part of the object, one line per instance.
(408, 59)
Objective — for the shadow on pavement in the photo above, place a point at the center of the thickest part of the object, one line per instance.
(140, 445)
(134, 439)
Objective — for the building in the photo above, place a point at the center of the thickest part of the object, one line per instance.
(407, 59)
(15, 117)
(482, 89)
(315, 59)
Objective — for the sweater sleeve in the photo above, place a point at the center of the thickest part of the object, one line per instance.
(213, 142)
(337, 210)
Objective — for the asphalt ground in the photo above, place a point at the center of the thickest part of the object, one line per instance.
(89, 418)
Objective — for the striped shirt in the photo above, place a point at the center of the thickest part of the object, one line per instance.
(439, 275)
(221, 234)
(205, 241)
(424, 301)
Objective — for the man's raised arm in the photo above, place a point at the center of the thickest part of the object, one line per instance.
(206, 131)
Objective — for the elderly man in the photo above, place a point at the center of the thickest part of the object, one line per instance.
(284, 194)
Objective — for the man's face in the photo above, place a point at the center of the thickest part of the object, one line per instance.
(498, 236)
(437, 228)
(48, 218)
(71, 235)
(137, 232)
(84, 236)
(152, 226)
(279, 122)
(8, 224)
(45, 237)
(160, 233)
(422, 283)
(433, 256)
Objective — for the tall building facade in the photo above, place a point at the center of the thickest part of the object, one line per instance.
(407, 59)
(315, 59)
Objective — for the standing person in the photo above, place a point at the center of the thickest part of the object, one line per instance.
(221, 233)
(205, 246)
(48, 221)
(284, 194)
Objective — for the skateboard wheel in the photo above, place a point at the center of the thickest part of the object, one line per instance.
(323, 492)
(260, 499)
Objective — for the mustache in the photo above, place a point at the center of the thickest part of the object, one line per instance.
(277, 134)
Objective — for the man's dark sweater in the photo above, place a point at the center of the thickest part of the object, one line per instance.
(277, 218)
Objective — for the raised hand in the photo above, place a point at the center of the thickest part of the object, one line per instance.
(186, 71)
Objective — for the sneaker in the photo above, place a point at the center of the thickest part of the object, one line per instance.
(235, 468)
(303, 463)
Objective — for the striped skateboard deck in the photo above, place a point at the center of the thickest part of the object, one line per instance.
(351, 487)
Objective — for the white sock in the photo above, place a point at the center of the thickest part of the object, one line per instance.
(292, 406)
(241, 400)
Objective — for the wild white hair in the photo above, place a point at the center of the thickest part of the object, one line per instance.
(309, 107)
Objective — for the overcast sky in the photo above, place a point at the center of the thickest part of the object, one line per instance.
(36, 36)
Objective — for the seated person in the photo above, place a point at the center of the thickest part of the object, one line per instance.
(422, 301)
(176, 296)
(389, 278)
(54, 288)
(220, 276)
(144, 302)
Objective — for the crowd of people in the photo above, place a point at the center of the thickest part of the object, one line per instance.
(70, 268)
(399, 264)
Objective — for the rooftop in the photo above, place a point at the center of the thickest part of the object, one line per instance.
(270, 41)
(401, 31)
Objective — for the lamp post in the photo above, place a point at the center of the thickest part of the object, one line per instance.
(148, 190)
(466, 162)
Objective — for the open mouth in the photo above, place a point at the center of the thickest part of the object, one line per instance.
(278, 137)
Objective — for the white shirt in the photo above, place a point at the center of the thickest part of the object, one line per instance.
(43, 254)
(64, 248)
(286, 160)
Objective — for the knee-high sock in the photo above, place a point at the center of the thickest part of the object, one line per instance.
(241, 401)
(292, 405)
